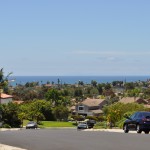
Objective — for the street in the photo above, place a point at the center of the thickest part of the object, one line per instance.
(71, 139)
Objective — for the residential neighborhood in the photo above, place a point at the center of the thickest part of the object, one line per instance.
(103, 102)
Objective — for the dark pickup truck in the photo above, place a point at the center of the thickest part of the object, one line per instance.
(91, 123)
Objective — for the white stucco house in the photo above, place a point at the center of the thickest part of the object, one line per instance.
(5, 99)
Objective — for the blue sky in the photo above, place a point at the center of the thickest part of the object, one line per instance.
(75, 37)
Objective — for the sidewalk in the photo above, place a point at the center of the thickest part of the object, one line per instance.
(107, 130)
(6, 147)
(9, 129)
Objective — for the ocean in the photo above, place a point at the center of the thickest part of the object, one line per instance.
(74, 79)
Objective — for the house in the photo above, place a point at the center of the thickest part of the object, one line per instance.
(5, 99)
(90, 107)
(138, 100)
(142, 101)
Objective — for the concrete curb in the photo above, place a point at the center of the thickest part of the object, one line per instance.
(107, 130)
(9, 129)
(6, 147)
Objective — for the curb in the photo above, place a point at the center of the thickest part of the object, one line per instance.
(9, 129)
(6, 147)
(107, 130)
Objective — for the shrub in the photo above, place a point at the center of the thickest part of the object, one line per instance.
(92, 118)
(101, 118)
(6, 126)
(100, 125)
(78, 118)
(121, 122)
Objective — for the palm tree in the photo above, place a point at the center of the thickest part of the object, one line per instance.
(3, 81)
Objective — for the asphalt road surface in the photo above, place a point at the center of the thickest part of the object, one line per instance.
(71, 139)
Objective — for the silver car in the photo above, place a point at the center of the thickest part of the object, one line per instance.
(31, 125)
(82, 126)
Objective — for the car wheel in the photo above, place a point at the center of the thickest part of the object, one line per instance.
(138, 129)
(126, 130)
(146, 132)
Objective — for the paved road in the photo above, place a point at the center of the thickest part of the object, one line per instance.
(71, 139)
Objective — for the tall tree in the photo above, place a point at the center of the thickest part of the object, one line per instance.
(37, 109)
(61, 112)
(94, 83)
(3, 81)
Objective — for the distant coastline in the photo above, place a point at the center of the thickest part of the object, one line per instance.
(74, 79)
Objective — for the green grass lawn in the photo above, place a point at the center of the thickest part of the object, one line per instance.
(56, 124)
(46, 124)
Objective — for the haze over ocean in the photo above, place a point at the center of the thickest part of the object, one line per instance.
(75, 79)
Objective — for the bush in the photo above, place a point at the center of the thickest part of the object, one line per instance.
(92, 118)
(78, 118)
(101, 118)
(6, 126)
(100, 125)
(121, 122)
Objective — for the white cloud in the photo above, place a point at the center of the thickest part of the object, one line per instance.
(112, 53)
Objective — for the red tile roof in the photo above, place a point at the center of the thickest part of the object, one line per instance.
(5, 96)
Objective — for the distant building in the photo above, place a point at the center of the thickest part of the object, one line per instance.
(145, 102)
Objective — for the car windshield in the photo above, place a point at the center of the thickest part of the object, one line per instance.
(31, 122)
(82, 124)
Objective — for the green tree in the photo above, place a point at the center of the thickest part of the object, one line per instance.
(23, 112)
(129, 86)
(78, 92)
(10, 114)
(80, 83)
(116, 111)
(3, 81)
(94, 92)
(100, 88)
(61, 112)
(53, 96)
(134, 92)
(37, 108)
(94, 83)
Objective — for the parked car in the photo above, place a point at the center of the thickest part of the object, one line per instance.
(91, 123)
(82, 126)
(139, 121)
(31, 125)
